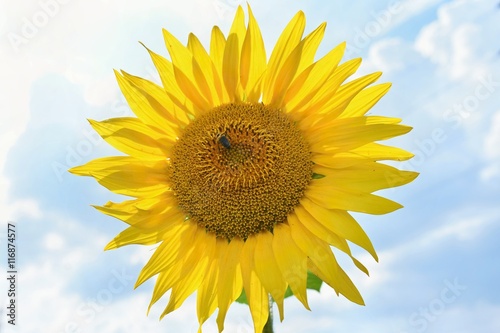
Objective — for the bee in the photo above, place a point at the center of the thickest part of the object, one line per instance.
(224, 141)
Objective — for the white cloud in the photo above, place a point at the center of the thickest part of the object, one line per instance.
(391, 54)
(463, 225)
(492, 140)
(464, 229)
(481, 316)
(84, 54)
(51, 281)
(461, 40)
(53, 241)
(56, 37)
(411, 9)
(20, 209)
(490, 172)
(491, 150)
(446, 82)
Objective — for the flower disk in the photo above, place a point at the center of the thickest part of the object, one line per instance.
(240, 169)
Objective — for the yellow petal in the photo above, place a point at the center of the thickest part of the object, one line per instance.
(334, 198)
(161, 212)
(345, 94)
(217, 47)
(322, 262)
(253, 60)
(289, 39)
(338, 160)
(326, 234)
(316, 250)
(166, 71)
(203, 59)
(258, 299)
(133, 235)
(305, 87)
(360, 266)
(238, 26)
(133, 137)
(206, 302)
(230, 283)
(126, 175)
(178, 242)
(367, 120)
(125, 210)
(231, 60)
(292, 66)
(230, 67)
(147, 110)
(192, 271)
(204, 81)
(285, 76)
(378, 152)
(365, 100)
(188, 73)
(176, 118)
(367, 177)
(342, 223)
(310, 45)
(340, 282)
(267, 269)
(326, 93)
(369, 152)
(320, 231)
(350, 133)
(174, 272)
(291, 261)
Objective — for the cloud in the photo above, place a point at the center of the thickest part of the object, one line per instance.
(461, 40)
(20, 209)
(462, 225)
(491, 151)
(61, 268)
(411, 9)
(445, 85)
(492, 139)
(53, 241)
(481, 316)
(63, 75)
(382, 55)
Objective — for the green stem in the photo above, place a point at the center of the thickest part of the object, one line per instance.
(268, 328)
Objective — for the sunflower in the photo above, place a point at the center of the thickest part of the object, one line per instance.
(244, 170)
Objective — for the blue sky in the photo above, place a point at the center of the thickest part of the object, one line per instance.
(438, 267)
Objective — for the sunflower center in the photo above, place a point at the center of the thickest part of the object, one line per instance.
(239, 169)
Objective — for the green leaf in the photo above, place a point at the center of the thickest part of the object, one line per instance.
(313, 282)
(243, 297)
(317, 176)
(288, 292)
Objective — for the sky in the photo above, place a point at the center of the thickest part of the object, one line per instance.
(438, 266)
